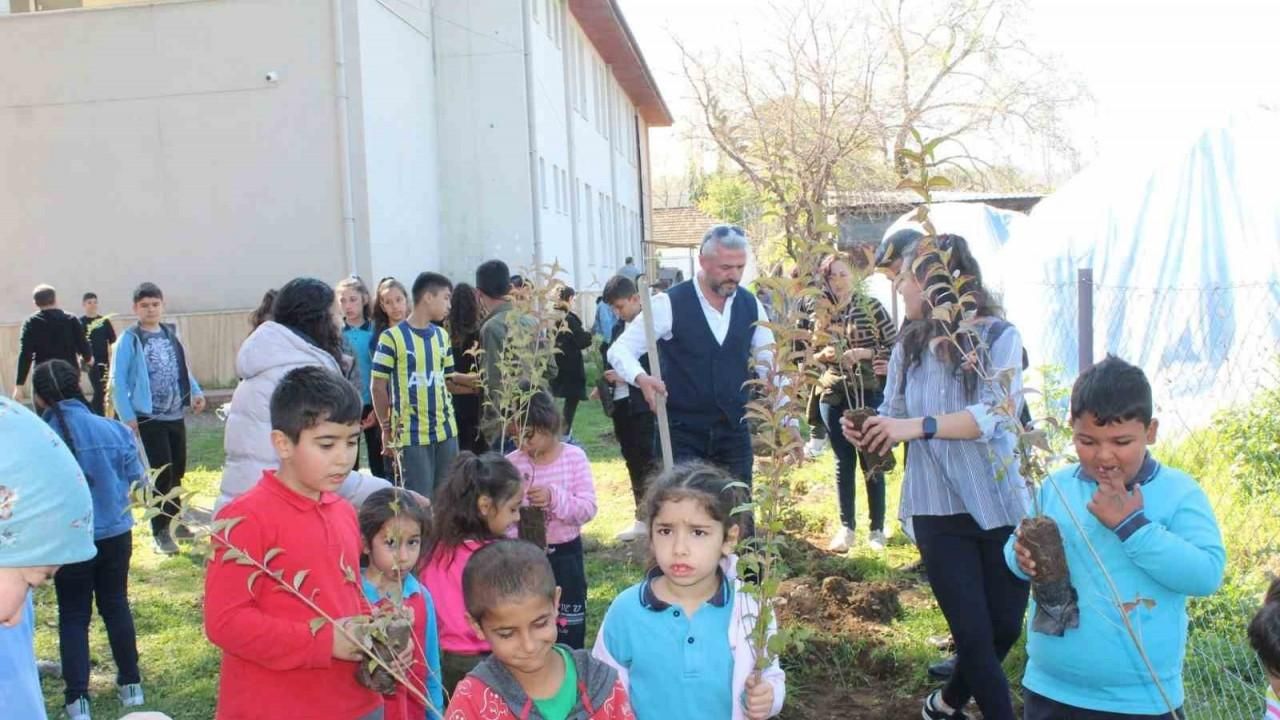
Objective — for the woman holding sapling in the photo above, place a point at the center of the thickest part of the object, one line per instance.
(855, 336)
(956, 360)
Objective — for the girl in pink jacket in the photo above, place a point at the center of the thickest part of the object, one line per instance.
(558, 480)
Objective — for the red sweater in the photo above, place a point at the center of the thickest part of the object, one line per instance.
(273, 665)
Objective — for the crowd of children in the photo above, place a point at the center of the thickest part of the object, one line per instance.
(305, 552)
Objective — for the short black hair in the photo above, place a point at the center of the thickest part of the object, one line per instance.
(1264, 631)
(567, 293)
(308, 396)
(430, 282)
(44, 295)
(630, 260)
(1113, 391)
(493, 278)
(147, 290)
(503, 571)
(89, 296)
(619, 287)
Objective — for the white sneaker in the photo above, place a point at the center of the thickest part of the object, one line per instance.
(131, 695)
(633, 533)
(877, 540)
(78, 710)
(814, 448)
(842, 541)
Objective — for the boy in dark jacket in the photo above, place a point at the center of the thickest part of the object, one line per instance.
(49, 334)
(511, 598)
(101, 335)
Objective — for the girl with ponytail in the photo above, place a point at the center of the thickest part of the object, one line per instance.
(108, 455)
(477, 504)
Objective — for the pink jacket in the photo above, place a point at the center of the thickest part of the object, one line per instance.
(573, 493)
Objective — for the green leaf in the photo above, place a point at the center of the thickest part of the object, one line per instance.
(252, 577)
(232, 555)
(939, 182)
(299, 578)
(266, 560)
(316, 624)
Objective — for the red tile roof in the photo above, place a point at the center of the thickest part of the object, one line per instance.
(607, 30)
(680, 226)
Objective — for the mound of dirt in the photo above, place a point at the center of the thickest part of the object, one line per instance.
(839, 606)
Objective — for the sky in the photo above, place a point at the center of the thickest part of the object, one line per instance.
(1156, 69)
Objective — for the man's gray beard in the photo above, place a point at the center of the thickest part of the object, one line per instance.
(723, 292)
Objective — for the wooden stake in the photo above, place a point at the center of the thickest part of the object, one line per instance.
(655, 370)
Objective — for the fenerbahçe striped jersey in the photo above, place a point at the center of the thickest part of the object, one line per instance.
(415, 363)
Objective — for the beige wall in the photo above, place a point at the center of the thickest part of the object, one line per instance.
(146, 143)
(211, 340)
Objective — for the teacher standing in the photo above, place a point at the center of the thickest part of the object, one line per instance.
(962, 494)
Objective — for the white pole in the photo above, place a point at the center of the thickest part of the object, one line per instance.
(655, 370)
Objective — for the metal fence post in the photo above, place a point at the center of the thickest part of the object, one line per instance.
(1084, 317)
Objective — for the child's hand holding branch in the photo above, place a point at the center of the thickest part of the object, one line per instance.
(1025, 563)
(539, 496)
(343, 647)
(758, 698)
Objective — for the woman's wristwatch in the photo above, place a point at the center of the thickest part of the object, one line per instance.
(930, 427)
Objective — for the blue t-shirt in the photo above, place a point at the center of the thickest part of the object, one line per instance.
(20, 695)
(162, 367)
(360, 344)
(678, 666)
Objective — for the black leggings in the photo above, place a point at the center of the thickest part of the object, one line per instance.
(166, 444)
(983, 602)
(570, 411)
(569, 566)
(1038, 707)
(105, 578)
(373, 444)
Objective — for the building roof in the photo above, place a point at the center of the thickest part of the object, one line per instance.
(607, 30)
(680, 226)
(855, 201)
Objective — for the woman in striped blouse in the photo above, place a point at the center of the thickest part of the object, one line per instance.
(962, 494)
(858, 335)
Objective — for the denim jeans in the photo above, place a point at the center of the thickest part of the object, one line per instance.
(426, 466)
(848, 458)
(106, 579)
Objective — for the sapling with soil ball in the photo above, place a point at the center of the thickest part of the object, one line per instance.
(386, 636)
(1057, 605)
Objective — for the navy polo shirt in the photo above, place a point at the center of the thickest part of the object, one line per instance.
(679, 666)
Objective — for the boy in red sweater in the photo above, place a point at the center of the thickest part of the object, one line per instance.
(275, 663)
(511, 598)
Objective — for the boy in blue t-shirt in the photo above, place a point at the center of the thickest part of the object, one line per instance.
(1156, 533)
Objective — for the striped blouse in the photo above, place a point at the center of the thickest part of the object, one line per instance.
(959, 477)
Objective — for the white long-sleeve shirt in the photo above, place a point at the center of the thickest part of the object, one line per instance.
(631, 345)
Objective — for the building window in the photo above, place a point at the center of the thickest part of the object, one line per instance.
(591, 225)
(582, 77)
(555, 177)
(542, 181)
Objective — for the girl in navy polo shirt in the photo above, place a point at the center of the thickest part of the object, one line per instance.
(680, 638)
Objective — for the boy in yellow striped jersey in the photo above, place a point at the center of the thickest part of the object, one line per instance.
(409, 374)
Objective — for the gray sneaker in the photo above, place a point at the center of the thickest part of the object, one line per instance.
(131, 695)
(78, 710)
(163, 543)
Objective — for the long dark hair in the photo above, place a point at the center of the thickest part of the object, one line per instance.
(936, 265)
(380, 319)
(262, 313)
(456, 517)
(53, 382)
(464, 318)
(305, 305)
(379, 508)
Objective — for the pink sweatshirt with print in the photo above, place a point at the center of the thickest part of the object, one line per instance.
(573, 493)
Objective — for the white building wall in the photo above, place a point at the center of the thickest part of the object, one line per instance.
(548, 19)
(396, 141)
(146, 143)
(486, 207)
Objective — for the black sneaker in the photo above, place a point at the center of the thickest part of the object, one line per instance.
(163, 543)
(930, 711)
(182, 532)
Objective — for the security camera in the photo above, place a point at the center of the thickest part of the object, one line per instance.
(273, 76)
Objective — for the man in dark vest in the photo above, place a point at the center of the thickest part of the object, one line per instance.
(708, 343)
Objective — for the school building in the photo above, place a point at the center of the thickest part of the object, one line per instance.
(221, 147)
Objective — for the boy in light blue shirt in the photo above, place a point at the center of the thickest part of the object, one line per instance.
(1156, 533)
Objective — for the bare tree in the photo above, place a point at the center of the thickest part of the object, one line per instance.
(960, 72)
(792, 116)
(827, 103)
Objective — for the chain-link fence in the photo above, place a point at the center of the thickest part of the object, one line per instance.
(1212, 355)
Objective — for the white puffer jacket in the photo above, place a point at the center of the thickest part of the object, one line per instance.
(264, 359)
